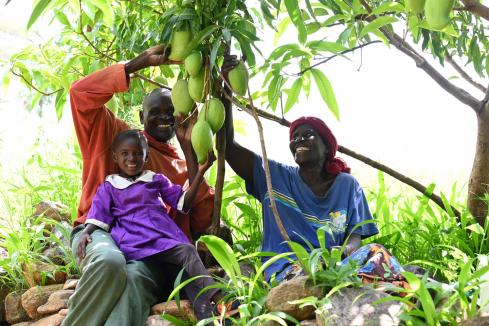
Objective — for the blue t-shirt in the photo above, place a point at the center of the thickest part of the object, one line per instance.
(302, 212)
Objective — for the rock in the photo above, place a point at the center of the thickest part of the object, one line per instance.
(37, 296)
(476, 321)
(39, 273)
(55, 254)
(53, 320)
(279, 297)
(53, 211)
(56, 301)
(70, 284)
(171, 308)
(14, 312)
(156, 320)
(4, 291)
(354, 307)
(311, 322)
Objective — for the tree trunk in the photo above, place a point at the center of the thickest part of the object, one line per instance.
(479, 177)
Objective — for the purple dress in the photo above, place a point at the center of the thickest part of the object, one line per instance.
(136, 215)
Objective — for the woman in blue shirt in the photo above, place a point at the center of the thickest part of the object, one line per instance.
(318, 191)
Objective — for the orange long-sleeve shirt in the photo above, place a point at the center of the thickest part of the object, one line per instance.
(96, 126)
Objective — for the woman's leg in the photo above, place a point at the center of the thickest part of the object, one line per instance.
(101, 284)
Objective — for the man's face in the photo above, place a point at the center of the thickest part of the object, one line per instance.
(307, 146)
(157, 116)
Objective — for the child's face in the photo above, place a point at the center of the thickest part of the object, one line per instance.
(130, 156)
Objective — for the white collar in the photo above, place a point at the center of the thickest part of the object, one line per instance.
(122, 183)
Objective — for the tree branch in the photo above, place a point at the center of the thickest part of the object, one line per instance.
(459, 93)
(336, 55)
(146, 79)
(32, 86)
(475, 7)
(381, 167)
(463, 73)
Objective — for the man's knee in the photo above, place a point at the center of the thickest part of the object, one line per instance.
(110, 265)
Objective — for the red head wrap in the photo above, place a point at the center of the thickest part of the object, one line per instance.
(333, 165)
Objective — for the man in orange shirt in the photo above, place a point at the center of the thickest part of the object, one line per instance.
(112, 291)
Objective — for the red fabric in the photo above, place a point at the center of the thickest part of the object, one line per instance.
(96, 127)
(333, 165)
(164, 148)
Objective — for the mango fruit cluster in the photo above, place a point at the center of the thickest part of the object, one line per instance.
(437, 12)
(196, 89)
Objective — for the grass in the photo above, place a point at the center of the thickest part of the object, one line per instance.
(415, 230)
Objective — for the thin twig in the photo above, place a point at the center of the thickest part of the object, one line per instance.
(463, 73)
(251, 109)
(146, 79)
(34, 87)
(336, 55)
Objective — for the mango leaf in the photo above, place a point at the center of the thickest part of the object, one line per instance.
(293, 95)
(274, 91)
(388, 7)
(326, 91)
(37, 11)
(326, 46)
(296, 17)
(106, 8)
(376, 24)
(200, 37)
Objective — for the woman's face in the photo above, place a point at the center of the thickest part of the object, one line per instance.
(307, 147)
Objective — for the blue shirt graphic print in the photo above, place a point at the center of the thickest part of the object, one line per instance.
(302, 212)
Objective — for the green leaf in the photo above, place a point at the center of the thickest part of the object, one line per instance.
(388, 7)
(37, 11)
(326, 91)
(106, 8)
(326, 46)
(293, 94)
(376, 24)
(296, 17)
(200, 37)
(224, 256)
(274, 91)
(301, 255)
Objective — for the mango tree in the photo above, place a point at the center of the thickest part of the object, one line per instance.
(95, 33)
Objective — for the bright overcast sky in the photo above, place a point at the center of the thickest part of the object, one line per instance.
(390, 111)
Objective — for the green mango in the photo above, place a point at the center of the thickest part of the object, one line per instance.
(238, 79)
(196, 86)
(179, 42)
(214, 113)
(201, 140)
(437, 13)
(416, 6)
(182, 102)
(193, 63)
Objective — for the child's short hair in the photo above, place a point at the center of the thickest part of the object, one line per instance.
(126, 134)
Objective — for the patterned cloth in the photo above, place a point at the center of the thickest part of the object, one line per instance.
(377, 266)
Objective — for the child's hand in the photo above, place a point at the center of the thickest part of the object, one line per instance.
(211, 157)
(84, 240)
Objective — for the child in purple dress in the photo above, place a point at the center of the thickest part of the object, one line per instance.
(132, 205)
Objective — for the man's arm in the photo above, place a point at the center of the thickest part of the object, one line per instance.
(89, 94)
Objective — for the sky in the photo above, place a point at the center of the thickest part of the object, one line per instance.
(390, 111)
